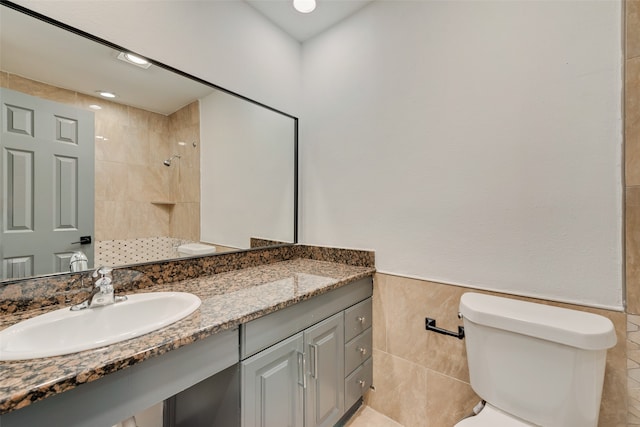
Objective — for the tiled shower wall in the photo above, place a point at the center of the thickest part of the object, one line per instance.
(136, 196)
(131, 145)
(184, 131)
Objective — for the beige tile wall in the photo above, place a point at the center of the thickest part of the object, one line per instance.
(632, 202)
(421, 378)
(633, 380)
(184, 127)
(632, 154)
(131, 145)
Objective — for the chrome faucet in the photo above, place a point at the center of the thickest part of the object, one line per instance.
(102, 292)
(78, 262)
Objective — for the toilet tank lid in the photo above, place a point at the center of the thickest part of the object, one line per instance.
(570, 327)
(196, 249)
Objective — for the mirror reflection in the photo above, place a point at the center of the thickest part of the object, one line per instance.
(167, 167)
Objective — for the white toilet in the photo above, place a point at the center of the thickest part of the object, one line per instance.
(194, 249)
(534, 364)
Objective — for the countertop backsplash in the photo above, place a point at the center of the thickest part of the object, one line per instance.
(67, 289)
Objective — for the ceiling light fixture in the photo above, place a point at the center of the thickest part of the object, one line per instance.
(133, 59)
(304, 6)
(106, 94)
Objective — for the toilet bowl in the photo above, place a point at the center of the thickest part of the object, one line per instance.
(491, 416)
(534, 364)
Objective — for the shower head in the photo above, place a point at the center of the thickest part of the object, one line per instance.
(168, 161)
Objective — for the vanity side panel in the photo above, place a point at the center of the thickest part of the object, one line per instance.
(119, 395)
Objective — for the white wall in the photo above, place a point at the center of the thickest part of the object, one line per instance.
(471, 142)
(246, 172)
(224, 42)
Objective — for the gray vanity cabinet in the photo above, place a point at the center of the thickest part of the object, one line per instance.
(357, 351)
(272, 386)
(293, 360)
(275, 380)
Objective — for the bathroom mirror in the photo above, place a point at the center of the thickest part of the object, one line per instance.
(171, 160)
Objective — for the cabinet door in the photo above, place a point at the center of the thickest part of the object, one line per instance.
(324, 347)
(272, 386)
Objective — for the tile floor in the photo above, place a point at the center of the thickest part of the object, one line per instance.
(367, 417)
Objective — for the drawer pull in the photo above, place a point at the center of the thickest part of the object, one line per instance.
(362, 383)
(362, 319)
(363, 351)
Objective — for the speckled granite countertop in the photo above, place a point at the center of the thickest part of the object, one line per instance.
(228, 299)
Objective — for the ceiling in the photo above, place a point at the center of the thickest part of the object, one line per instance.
(45, 53)
(303, 26)
(28, 47)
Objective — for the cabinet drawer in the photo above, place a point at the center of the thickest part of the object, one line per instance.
(357, 319)
(358, 383)
(357, 351)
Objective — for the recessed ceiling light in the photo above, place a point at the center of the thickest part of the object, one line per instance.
(304, 6)
(106, 94)
(95, 107)
(136, 60)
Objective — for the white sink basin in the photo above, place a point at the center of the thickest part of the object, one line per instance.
(64, 331)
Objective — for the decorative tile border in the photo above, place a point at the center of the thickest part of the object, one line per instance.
(133, 251)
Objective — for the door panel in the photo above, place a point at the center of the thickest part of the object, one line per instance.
(65, 202)
(272, 381)
(19, 120)
(18, 266)
(19, 190)
(47, 184)
(324, 395)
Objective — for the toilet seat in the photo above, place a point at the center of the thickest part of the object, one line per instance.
(491, 416)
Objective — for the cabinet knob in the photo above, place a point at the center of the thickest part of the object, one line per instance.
(362, 383)
(363, 351)
(362, 319)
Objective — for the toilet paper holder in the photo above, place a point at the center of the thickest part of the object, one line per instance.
(430, 325)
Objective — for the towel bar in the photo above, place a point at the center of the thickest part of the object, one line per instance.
(430, 325)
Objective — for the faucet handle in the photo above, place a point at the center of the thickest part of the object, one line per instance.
(102, 271)
(104, 281)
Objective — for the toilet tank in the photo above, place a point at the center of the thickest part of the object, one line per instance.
(540, 363)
